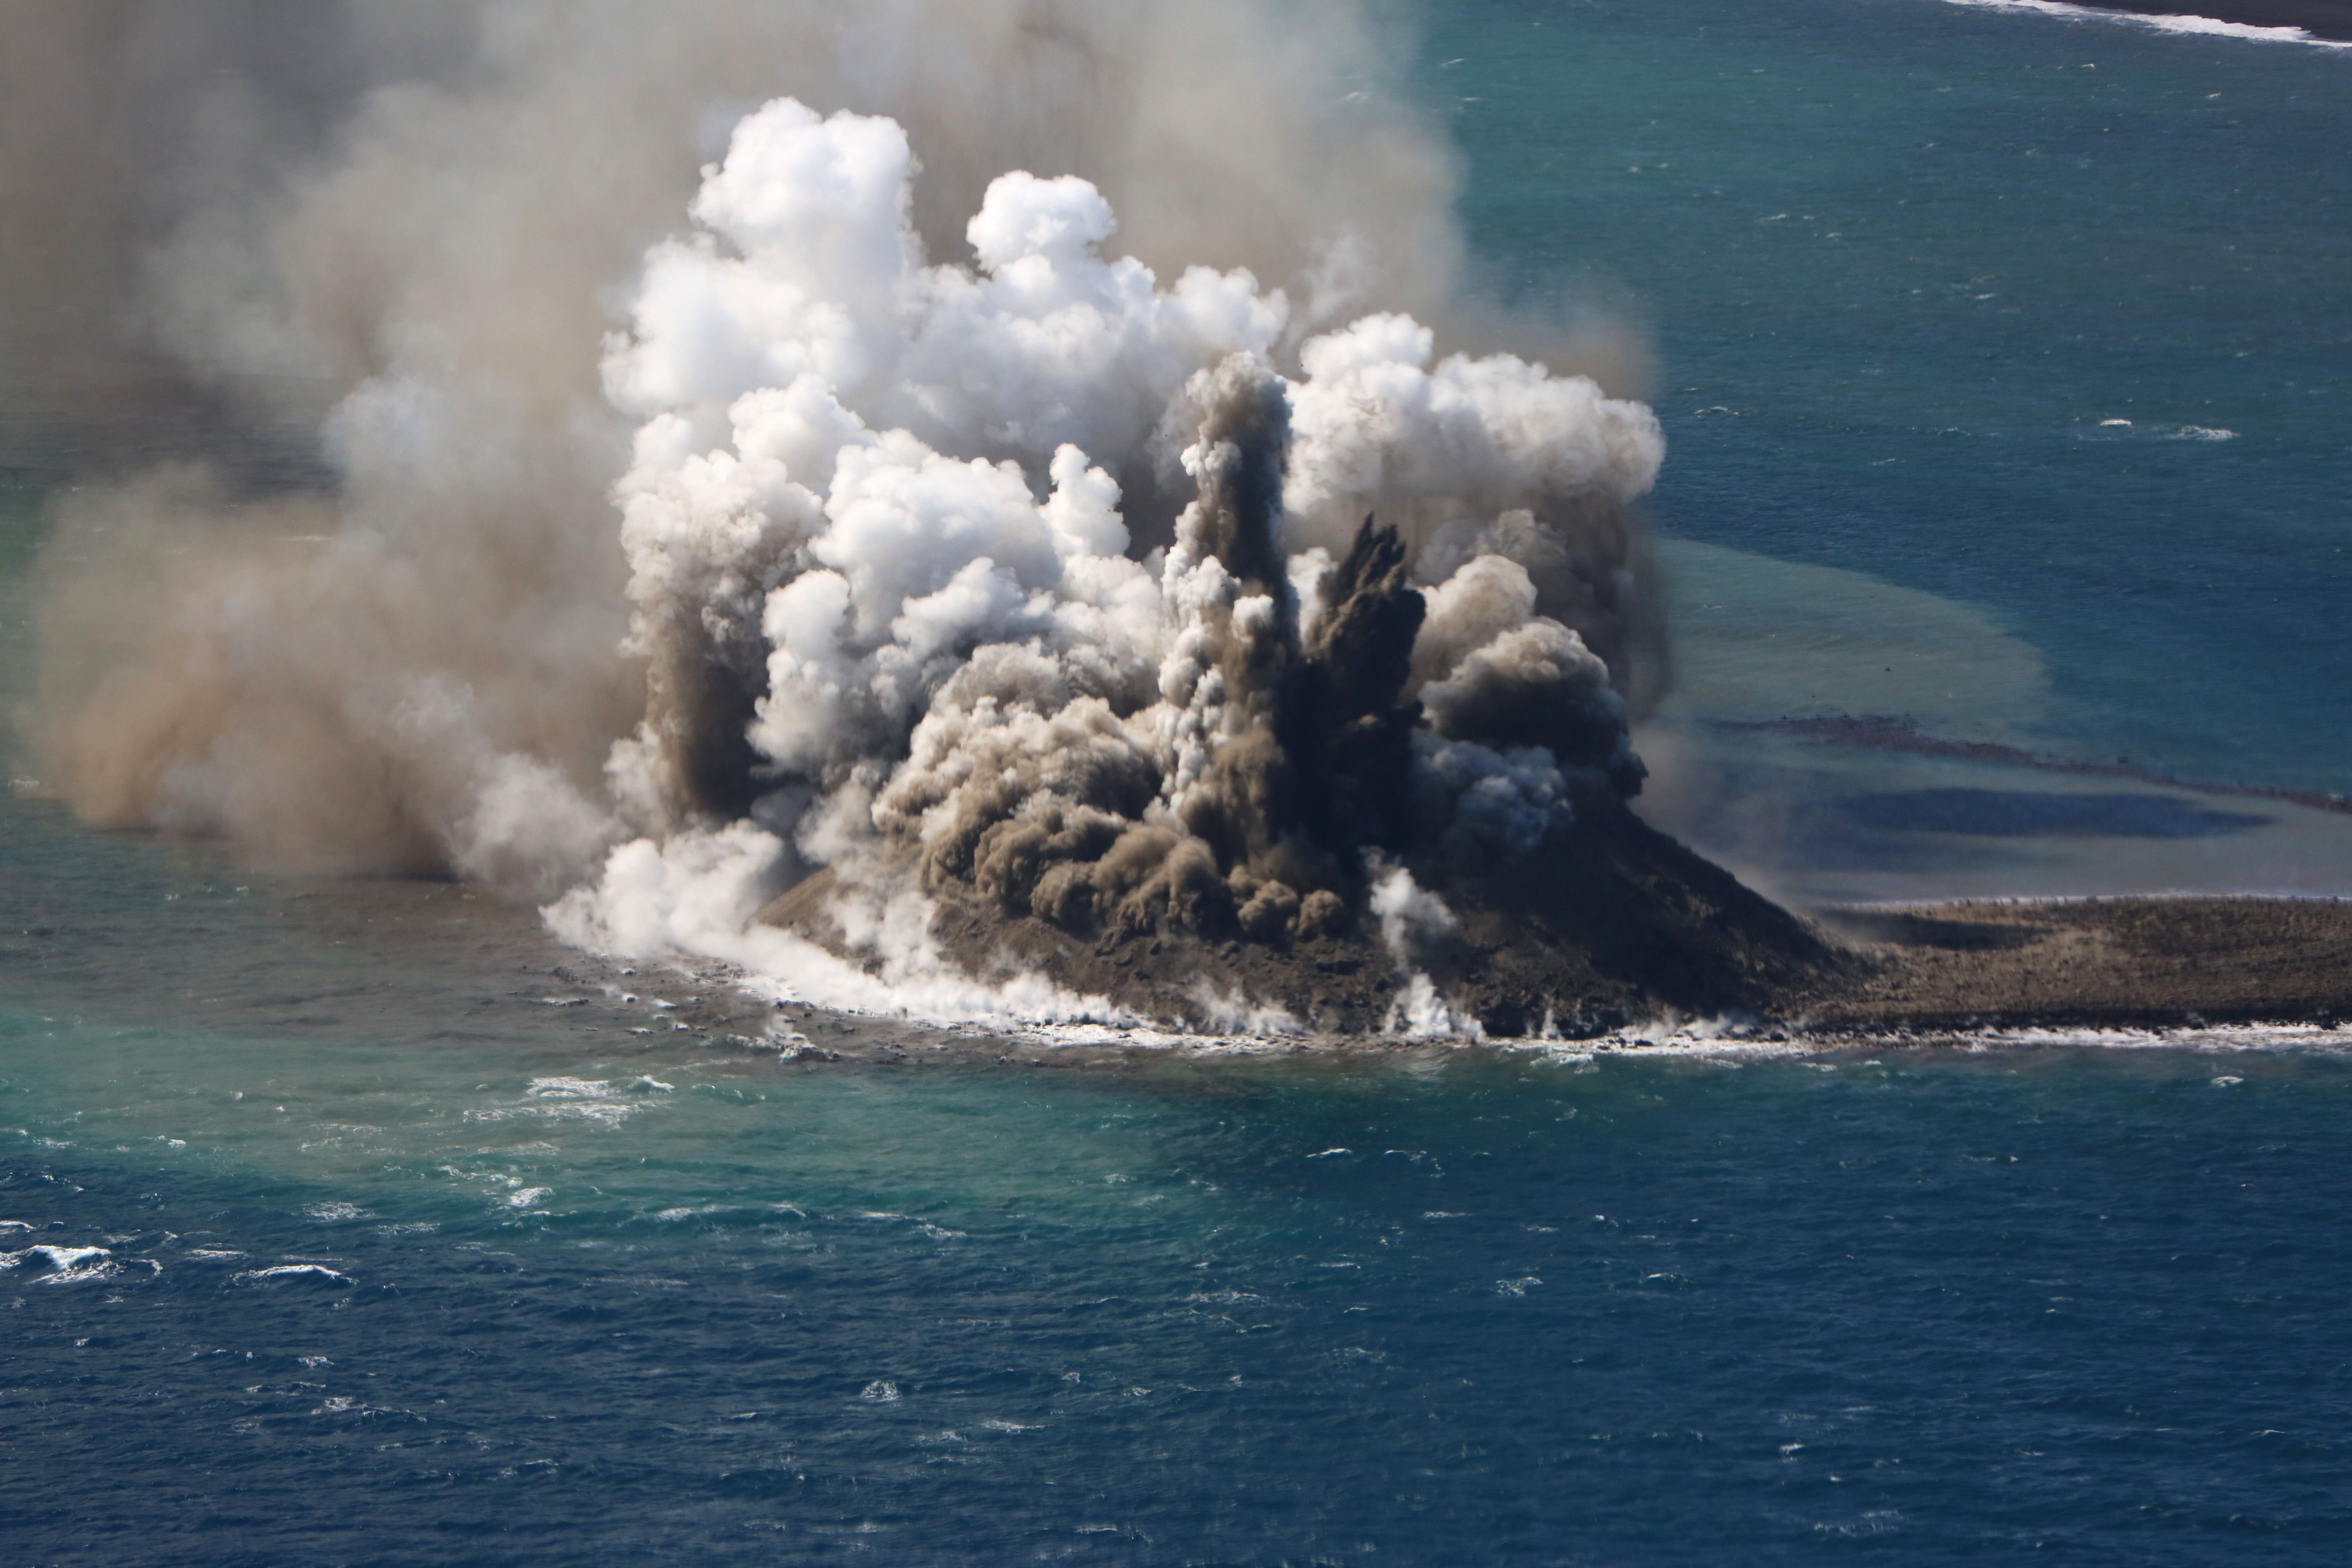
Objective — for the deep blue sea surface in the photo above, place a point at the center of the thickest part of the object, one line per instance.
(349, 1223)
(405, 1262)
(1904, 260)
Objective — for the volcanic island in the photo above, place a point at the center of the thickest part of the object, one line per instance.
(1400, 806)
(1601, 924)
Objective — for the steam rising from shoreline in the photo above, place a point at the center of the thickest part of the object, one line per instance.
(873, 520)
(993, 527)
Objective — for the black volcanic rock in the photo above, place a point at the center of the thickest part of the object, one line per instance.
(1609, 922)
(1338, 716)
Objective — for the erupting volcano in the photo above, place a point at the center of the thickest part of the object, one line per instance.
(1348, 749)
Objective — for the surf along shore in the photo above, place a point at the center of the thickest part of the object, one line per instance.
(2138, 963)
(1929, 974)
(2320, 18)
(1612, 926)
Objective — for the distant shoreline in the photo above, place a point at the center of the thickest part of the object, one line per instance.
(2321, 18)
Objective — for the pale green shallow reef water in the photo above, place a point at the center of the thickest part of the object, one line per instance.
(343, 1228)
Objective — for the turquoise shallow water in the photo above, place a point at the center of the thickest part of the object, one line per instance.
(562, 1292)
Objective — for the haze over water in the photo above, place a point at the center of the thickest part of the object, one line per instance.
(561, 1292)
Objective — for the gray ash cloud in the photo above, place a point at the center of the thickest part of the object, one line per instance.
(968, 683)
(991, 398)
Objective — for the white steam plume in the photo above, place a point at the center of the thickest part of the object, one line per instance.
(991, 457)
(414, 224)
(872, 516)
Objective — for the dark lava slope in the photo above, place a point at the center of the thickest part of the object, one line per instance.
(1607, 923)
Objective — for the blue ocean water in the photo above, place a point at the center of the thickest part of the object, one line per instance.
(346, 1223)
(402, 1264)
(1905, 261)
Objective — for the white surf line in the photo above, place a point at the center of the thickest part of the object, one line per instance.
(2068, 900)
(1792, 1043)
(1721, 1040)
(2203, 26)
(2214, 1038)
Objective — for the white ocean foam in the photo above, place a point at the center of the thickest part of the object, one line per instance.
(608, 1113)
(2022, 901)
(1695, 1044)
(570, 1089)
(290, 1272)
(698, 895)
(2214, 1038)
(1728, 1039)
(1730, 1042)
(2205, 25)
(701, 1211)
(576, 1099)
(2123, 429)
(67, 1265)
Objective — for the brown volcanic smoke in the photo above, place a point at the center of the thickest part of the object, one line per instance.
(1039, 571)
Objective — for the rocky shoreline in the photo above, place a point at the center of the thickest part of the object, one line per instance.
(2192, 971)
(1605, 924)
(1613, 927)
(2119, 962)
